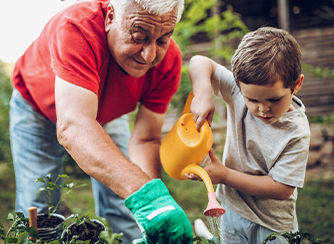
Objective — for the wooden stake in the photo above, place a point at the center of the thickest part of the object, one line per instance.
(33, 219)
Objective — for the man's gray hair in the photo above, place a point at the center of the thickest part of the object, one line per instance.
(162, 7)
(159, 7)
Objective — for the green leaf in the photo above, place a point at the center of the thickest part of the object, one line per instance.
(40, 180)
(10, 217)
(23, 237)
(11, 240)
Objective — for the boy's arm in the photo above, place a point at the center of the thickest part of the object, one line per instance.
(201, 70)
(256, 185)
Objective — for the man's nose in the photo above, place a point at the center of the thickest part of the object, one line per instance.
(148, 52)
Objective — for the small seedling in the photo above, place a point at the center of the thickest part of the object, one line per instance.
(81, 228)
(50, 186)
(18, 232)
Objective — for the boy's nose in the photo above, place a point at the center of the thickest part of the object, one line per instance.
(263, 108)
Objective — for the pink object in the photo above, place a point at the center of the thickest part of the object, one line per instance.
(214, 209)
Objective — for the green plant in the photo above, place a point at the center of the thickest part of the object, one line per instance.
(5, 93)
(292, 238)
(51, 186)
(19, 231)
(199, 18)
(107, 236)
(318, 71)
(85, 223)
(223, 30)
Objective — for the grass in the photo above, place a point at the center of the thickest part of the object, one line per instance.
(314, 206)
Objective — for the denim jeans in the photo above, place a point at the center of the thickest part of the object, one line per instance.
(36, 152)
(238, 230)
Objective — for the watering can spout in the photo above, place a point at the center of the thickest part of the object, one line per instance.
(214, 209)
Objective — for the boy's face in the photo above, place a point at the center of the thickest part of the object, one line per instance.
(269, 102)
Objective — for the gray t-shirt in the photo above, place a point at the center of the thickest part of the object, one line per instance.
(279, 150)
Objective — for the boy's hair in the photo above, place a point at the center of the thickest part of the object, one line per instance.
(159, 7)
(266, 55)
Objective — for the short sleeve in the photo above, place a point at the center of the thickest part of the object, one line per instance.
(72, 57)
(223, 81)
(290, 167)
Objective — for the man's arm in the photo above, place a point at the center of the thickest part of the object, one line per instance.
(88, 143)
(145, 141)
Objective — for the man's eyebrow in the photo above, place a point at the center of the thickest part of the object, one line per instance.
(169, 33)
(146, 31)
(140, 28)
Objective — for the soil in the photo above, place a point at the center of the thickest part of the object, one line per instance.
(44, 221)
(85, 232)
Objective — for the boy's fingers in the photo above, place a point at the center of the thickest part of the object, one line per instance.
(200, 121)
(210, 117)
(192, 176)
(212, 156)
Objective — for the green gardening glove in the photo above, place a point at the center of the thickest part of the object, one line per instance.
(160, 218)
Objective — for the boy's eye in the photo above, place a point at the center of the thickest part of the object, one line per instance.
(274, 100)
(252, 100)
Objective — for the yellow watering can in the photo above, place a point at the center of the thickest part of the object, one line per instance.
(184, 148)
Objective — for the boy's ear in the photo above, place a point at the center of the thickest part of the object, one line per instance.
(298, 84)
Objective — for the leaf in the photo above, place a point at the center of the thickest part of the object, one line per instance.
(2, 232)
(40, 190)
(32, 232)
(40, 180)
(20, 215)
(11, 240)
(10, 217)
(23, 237)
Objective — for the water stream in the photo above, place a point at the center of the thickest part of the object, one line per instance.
(215, 225)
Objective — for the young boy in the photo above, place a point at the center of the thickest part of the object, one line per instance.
(268, 134)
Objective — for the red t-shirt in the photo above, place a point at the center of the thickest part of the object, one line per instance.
(73, 46)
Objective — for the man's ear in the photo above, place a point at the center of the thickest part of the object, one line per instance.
(298, 84)
(109, 17)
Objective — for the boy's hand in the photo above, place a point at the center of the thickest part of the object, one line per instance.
(216, 170)
(160, 218)
(203, 108)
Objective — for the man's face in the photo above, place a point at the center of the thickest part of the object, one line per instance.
(267, 102)
(138, 40)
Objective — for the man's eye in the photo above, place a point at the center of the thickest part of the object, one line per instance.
(162, 41)
(138, 38)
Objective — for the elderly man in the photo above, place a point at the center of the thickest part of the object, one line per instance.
(91, 65)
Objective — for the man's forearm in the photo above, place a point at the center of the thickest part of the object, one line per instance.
(145, 154)
(97, 155)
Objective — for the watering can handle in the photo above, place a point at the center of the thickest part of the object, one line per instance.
(186, 108)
